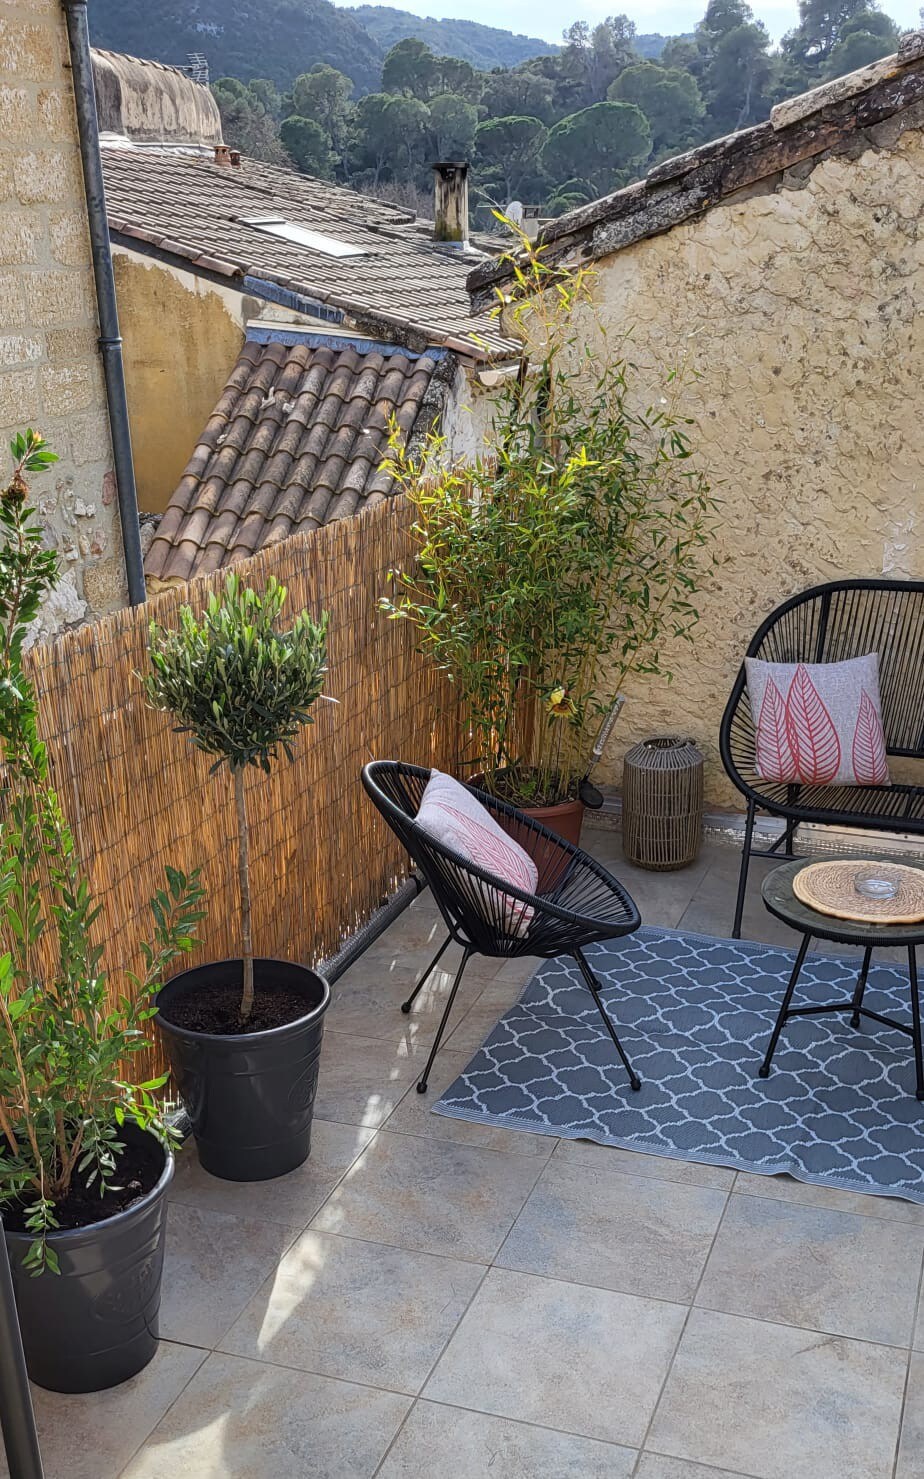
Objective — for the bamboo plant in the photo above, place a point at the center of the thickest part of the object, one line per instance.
(65, 1034)
(241, 689)
(567, 554)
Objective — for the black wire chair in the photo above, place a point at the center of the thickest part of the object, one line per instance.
(830, 623)
(577, 902)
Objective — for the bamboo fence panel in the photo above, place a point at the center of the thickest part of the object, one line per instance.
(139, 796)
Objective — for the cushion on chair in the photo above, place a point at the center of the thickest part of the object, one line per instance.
(450, 814)
(818, 724)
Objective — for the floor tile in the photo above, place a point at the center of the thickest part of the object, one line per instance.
(292, 1199)
(607, 1158)
(655, 1466)
(586, 1361)
(362, 1078)
(355, 1310)
(415, 1115)
(94, 1435)
(819, 1269)
(448, 1442)
(631, 1233)
(787, 1189)
(214, 1263)
(779, 1403)
(243, 1420)
(367, 1001)
(911, 1450)
(479, 1021)
(431, 1195)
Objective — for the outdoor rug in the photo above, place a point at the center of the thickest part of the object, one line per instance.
(694, 1015)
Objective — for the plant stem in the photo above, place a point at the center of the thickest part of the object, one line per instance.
(243, 868)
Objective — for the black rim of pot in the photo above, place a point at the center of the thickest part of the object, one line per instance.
(231, 1038)
(71, 1237)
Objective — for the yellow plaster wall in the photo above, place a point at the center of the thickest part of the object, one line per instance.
(181, 339)
(801, 313)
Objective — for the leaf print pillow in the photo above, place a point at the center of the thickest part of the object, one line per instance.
(818, 724)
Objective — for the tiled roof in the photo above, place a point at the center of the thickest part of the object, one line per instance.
(401, 288)
(832, 118)
(295, 441)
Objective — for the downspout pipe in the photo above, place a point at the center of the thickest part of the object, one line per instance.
(110, 339)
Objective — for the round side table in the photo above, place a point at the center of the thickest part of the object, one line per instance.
(779, 898)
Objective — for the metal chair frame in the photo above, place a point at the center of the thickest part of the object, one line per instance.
(830, 623)
(578, 903)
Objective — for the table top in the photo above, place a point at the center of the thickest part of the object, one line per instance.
(781, 901)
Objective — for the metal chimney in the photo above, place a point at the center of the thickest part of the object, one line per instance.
(450, 203)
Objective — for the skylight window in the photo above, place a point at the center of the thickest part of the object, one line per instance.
(315, 241)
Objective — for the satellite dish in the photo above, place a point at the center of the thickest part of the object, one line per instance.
(514, 212)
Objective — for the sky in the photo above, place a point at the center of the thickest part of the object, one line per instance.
(545, 18)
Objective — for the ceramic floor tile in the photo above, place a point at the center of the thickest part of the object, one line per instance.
(292, 1199)
(779, 1403)
(355, 1310)
(415, 1115)
(214, 1263)
(630, 1233)
(911, 1449)
(431, 1195)
(787, 1189)
(810, 1266)
(94, 1435)
(362, 1079)
(586, 1361)
(243, 1420)
(655, 1466)
(479, 1021)
(446, 1441)
(605, 1159)
(367, 1001)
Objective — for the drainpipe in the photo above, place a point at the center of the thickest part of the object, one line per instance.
(110, 340)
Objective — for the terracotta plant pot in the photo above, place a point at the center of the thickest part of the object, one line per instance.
(565, 818)
(94, 1324)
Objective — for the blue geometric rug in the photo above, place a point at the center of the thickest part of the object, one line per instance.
(694, 1014)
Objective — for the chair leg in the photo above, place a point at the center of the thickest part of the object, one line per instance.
(764, 1069)
(743, 874)
(406, 1005)
(422, 1082)
(861, 987)
(592, 986)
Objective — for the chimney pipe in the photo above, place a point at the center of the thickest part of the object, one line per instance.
(223, 156)
(450, 204)
(236, 159)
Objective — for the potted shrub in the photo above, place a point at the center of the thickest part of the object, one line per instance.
(85, 1157)
(243, 1036)
(558, 562)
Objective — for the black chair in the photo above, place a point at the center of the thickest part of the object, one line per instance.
(830, 623)
(577, 903)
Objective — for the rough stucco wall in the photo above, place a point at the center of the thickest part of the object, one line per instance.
(50, 372)
(466, 420)
(800, 310)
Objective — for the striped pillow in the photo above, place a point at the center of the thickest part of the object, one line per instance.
(450, 814)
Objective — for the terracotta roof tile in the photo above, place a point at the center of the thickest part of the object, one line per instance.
(296, 440)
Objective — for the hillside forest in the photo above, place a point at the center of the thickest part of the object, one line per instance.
(554, 130)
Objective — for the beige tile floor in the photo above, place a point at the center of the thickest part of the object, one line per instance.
(428, 1297)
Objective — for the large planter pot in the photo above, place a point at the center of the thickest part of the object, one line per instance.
(565, 818)
(250, 1095)
(94, 1324)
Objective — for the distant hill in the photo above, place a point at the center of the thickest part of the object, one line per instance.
(275, 38)
(484, 46)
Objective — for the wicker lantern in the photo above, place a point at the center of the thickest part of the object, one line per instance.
(662, 802)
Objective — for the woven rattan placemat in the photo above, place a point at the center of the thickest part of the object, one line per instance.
(830, 888)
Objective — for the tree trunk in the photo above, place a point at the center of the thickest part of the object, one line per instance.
(243, 867)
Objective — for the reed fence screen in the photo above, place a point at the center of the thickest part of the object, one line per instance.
(139, 796)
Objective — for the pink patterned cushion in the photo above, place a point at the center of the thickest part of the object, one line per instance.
(450, 814)
(819, 724)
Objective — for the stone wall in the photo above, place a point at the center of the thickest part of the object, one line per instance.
(799, 307)
(50, 372)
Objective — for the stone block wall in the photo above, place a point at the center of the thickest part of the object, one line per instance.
(50, 372)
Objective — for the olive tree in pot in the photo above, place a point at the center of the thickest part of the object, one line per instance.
(244, 1035)
(85, 1157)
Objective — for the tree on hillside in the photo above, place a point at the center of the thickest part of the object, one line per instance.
(600, 143)
(521, 93)
(267, 93)
(387, 135)
(308, 145)
(245, 122)
(669, 98)
(508, 151)
(820, 25)
(323, 94)
(458, 77)
(453, 122)
(410, 69)
(865, 38)
(735, 66)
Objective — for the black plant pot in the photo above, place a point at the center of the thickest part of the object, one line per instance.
(95, 1324)
(250, 1095)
